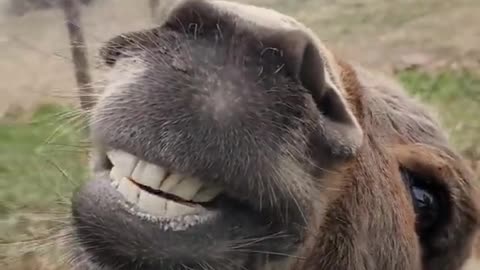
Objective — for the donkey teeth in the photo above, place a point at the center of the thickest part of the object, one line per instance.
(176, 209)
(127, 166)
(171, 181)
(187, 188)
(149, 175)
(116, 174)
(129, 190)
(152, 204)
(207, 194)
(124, 163)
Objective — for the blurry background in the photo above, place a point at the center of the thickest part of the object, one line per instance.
(431, 46)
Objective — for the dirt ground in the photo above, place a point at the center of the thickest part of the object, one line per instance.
(35, 66)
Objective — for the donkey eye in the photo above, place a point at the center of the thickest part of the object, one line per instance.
(427, 198)
(426, 207)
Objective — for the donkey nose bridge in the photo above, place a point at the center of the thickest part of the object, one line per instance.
(224, 99)
(214, 97)
(222, 104)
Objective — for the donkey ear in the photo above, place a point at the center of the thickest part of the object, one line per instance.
(304, 62)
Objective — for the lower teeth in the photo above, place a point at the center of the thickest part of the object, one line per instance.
(178, 223)
(152, 204)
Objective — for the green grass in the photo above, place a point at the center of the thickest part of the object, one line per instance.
(455, 96)
(39, 160)
(41, 163)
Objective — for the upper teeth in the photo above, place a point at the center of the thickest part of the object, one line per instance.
(127, 166)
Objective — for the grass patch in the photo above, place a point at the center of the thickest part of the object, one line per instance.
(41, 163)
(456, 97)
(39, 160)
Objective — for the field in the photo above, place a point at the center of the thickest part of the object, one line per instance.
(430, 46)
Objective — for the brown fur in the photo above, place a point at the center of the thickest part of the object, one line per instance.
(415, 153)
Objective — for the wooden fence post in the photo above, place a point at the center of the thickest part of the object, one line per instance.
(79, 52)
(153, 8)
